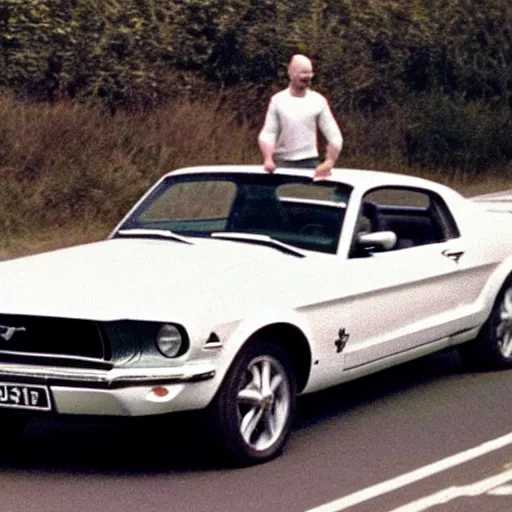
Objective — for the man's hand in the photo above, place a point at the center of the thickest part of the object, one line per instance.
(323, 170)
(269, 165)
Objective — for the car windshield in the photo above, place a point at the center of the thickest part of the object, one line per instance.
(292, 210)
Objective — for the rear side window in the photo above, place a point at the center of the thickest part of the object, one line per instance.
(416, 216)
(399, 197)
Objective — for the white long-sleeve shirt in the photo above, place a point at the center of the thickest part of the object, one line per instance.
(291, 125)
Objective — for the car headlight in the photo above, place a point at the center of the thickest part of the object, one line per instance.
(170, 341)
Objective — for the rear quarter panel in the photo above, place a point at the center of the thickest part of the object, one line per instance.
(487, 241)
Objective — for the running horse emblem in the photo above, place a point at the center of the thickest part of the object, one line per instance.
(7, 332)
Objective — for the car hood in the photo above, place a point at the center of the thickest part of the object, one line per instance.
(140, 279)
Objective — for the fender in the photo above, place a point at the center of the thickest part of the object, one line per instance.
(250, 326)
(493, 286)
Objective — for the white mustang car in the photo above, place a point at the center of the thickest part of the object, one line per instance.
(233, 291)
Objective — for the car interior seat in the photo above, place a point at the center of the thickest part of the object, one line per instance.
(261, 211)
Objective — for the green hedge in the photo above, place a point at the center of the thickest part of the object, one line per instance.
(449, 133)
(369, 55)
(368, 52)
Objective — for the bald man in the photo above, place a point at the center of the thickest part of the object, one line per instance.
(289, 135)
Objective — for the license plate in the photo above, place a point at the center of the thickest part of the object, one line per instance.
(24, 396)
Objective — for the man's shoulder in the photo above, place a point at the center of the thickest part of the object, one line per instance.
(280, 95)
(311, 95)
(316, 96)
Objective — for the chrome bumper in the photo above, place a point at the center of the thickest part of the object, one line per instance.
(116, 377)
(120, 391)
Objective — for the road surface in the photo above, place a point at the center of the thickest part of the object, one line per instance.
(428, 435)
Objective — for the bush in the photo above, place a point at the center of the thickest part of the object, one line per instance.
(368, 53)
(450, 133)
(71, 162)
(135, 52)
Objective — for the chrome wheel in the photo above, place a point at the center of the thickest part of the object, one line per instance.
(492, 348)
(504, 325)
(263, 402)
(253, 410)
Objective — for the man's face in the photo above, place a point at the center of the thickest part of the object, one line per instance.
(301, 74)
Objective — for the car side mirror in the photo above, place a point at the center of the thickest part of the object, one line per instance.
(378, 241)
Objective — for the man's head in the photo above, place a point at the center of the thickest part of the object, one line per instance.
(300, 71)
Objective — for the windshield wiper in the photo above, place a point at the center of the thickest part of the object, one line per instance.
(152, 233)
(252, 238)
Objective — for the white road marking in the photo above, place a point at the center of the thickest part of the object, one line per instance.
(414, 476)
(504, 490)
(446, 495)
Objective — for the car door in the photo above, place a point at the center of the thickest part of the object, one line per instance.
(402, 299)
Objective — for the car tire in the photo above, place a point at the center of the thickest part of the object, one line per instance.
(254, 408)
(492, 348)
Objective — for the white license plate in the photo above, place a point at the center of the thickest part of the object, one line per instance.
(24, 396)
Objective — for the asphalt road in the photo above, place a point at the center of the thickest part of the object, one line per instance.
(396, 441)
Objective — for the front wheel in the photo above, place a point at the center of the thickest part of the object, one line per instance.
(254, 408)
(492, 349)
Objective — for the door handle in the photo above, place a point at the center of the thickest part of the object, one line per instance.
(454, 255)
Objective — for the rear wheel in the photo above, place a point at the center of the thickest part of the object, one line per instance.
(254, 407)
(492, 349)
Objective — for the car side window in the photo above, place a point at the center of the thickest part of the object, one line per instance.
(416, 216)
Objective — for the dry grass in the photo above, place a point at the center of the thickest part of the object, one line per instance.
(69, 171)
(24, 244)
(70, 162)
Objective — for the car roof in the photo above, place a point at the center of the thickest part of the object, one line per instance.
(358, 178)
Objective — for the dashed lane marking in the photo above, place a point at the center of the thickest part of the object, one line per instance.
(504, 490)
(414, 476)
(452, 493)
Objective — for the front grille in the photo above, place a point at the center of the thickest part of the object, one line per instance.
(51, 337)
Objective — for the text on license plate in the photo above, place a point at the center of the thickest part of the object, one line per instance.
(24, 396)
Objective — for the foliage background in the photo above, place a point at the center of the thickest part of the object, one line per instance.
(98, 97)
(370, 55)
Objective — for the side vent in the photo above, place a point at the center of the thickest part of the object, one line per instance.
(213, 341)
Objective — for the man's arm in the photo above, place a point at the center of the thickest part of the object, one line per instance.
(268, 136)
(267, 150)
(331, 131)
(332, 152)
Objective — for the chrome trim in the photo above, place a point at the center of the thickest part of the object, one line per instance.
(213, 346)
(257, 239)
(64, 357)
(123, 377)
(152, 233)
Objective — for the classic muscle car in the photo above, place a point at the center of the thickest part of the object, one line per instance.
(232, 291)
